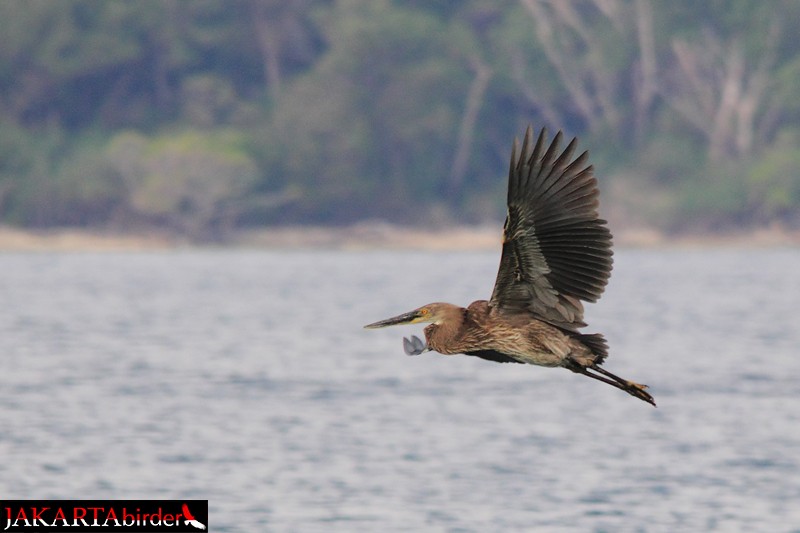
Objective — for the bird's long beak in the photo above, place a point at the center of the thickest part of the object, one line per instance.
(405, 318)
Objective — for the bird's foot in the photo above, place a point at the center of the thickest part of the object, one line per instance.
(635, 385)
(414, 346)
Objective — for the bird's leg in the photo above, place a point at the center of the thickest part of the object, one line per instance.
(414, 346)
(634, 389)
(585, 372)
(618, 379)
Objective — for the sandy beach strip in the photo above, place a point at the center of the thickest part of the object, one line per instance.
(362, 236)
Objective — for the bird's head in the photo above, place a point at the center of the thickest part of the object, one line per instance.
(435, 313)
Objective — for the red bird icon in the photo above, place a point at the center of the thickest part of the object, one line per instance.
(191, 519)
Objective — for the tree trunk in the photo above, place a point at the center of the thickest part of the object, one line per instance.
(544, 26)
(645, 83)
(722, 122)
(466, 131)
(266, 34)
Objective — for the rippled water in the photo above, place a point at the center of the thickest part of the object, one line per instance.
(245, 378)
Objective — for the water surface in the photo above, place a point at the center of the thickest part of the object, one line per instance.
(244, 377)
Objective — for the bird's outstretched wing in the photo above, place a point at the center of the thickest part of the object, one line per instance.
(556, 251)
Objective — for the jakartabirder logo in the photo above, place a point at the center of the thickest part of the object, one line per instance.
(177, 516)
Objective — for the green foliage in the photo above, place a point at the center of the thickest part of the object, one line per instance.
(773, 182)
(185, 180)
(203, 114)
(372, 125)
(713, 197)
(49, 181)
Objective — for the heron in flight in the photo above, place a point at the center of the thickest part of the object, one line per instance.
(556, 253)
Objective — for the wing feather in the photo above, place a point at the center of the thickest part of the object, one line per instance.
(556, 250)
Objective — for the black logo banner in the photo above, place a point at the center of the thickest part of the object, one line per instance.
(177, 516)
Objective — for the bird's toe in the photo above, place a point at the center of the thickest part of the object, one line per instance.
(414, 345)
(409, 348)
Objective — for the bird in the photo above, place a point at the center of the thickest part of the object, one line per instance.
(556, 254)
(191, 520)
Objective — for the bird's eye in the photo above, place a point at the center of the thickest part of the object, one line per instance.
(423, 311)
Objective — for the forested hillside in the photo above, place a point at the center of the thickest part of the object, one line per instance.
(206, 115)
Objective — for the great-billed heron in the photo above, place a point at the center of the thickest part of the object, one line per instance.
(556, 253)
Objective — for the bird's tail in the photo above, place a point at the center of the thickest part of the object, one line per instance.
(597, 344)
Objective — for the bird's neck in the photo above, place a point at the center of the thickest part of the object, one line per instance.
(440, 335)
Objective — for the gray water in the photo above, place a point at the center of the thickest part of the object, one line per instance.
(244, 378)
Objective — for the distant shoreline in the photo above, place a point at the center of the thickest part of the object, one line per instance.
(363, 236)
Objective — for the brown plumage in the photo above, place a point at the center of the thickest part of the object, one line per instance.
(556, 254)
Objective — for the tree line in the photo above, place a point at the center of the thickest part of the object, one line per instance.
(208, 115)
